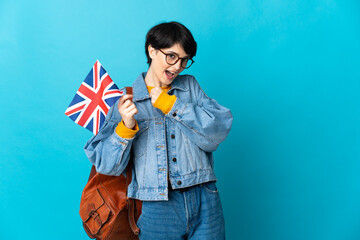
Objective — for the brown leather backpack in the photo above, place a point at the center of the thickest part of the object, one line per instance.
(106, 211)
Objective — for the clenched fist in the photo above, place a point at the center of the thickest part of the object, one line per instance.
(154, 94)
(127, 110)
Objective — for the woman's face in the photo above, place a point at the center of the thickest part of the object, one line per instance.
(162, 74)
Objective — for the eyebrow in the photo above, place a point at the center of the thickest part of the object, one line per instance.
(178, 54)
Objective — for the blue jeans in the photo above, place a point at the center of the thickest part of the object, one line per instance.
(194, 214)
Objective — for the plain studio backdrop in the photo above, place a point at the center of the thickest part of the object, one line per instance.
(288, 70)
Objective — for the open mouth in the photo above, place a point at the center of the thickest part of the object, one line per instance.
(169, 74)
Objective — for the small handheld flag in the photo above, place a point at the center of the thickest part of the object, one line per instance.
(94, 98)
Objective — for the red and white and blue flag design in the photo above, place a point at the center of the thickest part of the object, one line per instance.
(94, 98)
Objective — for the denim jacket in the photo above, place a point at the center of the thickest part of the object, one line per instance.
(180, 143)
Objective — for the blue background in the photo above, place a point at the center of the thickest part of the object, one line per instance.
(288, 70)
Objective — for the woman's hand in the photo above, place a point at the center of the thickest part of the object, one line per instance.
(127, 110)
(155, 93)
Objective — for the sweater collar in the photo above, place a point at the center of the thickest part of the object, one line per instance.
(140, 91)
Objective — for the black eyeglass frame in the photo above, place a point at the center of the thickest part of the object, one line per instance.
(178, 58)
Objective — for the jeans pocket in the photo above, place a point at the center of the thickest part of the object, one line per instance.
(210, 187)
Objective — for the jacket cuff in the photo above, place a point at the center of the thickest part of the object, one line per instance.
(165, 102)
(125, 132)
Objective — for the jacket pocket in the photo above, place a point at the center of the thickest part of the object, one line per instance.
(141, 139)
(192, 154)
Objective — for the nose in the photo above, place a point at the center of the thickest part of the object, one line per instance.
(177, 65)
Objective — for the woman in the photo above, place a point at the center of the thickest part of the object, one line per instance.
(172, 129)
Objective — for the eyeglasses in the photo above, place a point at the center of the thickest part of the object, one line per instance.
(173, 58)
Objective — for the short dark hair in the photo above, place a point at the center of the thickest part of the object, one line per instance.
(165, 35)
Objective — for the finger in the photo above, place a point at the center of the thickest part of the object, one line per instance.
(124, 98)
(133, 112)
(127, 103)
(156, 90)
(130, 113)
(131, 107)
(155, 94)
(133, 104)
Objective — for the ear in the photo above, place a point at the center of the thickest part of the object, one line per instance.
(152, 51)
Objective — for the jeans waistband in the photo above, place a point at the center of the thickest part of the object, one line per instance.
(181, 189)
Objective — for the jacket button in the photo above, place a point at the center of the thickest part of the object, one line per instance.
(174, 159)
(174, 114)
(178, 182)
(172, 136)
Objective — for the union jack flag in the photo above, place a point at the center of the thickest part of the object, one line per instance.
(94, 98)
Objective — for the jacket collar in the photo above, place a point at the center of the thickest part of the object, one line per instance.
(140, 91)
